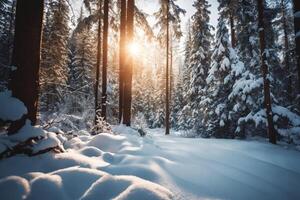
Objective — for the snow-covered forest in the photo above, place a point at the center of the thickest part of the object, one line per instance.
(149, 99)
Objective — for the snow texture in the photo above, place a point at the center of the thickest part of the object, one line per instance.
(26, 132)
(11, 109)
(51, 141)
(130, 167)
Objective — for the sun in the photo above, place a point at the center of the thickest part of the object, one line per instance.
(134, 48)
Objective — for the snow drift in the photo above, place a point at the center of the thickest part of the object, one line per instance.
(153, 167)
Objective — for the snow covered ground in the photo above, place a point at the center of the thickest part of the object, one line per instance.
(127, 166)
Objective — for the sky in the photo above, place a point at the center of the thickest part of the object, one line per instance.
(150, 6)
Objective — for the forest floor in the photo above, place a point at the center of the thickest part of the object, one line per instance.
(156, 166)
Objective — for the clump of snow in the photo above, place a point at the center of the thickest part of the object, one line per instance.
(284, 112)
(5, 144)
(108, 142)
(50, 141)
(11, 109)
(26, 132)
(91, 151)
(14, 188)
(55, 130)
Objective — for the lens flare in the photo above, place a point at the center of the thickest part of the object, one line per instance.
(134, 48)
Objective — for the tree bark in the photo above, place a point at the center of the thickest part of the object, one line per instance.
(265, 72)
(26, 57)
(129, 65)
(97, 108)
(171, 70)
(104, 59)
(297, 33)
(122, 57)
(167, 120)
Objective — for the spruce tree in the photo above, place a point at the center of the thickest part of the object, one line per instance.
(225, 70)
(54, 66)
(199, 61)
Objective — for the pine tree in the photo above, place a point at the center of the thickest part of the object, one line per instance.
(54, 66)
(286, 49)
(81, 69)
(247, 91)
(251, 94)
(7, 13)
(168, 18)
(229, 12)
(199, 61)
(174, 13)
(225, 69)
(297, 34)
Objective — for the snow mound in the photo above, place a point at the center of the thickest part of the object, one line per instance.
(14, 188)
(91, 152)
(26, 132)
(11, 109)
(108, 142)
(47, 187)
(51, 141)
(126, 188)
(156, 167)
(84, 184)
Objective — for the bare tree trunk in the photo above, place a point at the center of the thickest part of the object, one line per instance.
(297, 33)
(129, 66)
(171, 76)
(104, 59)
(265, 72)
(26, 57)
(167, 120)
(97, 108)
(171, 70)
(286, 53)
(122, 57)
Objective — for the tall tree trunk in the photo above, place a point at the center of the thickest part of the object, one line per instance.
(122, 57)
(171, 70)
(97, 108)
(167, 120)
(286, 53)
(171, 75)
(265, 72)
(26, 57)
(297, 33)
(104, 59)
(129, 65)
